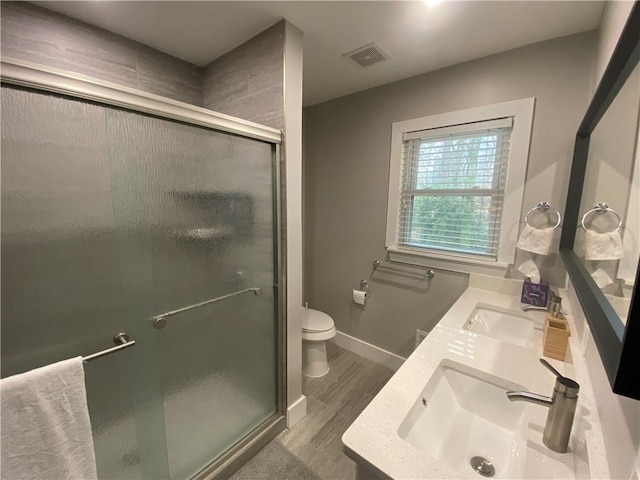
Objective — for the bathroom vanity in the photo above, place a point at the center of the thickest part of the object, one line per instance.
(445, 413)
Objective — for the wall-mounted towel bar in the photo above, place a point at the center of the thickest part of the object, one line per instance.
(428, 274)
(120, 339)
(160, 321)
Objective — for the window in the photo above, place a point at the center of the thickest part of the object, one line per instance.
(456, 186)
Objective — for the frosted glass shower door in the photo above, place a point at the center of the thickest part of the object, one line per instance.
(201, 203)
(66, 287)
(111, 217)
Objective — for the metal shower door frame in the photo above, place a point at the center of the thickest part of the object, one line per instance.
(39, 77)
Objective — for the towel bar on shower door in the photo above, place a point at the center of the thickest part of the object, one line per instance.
(160, 321)
(120, 339)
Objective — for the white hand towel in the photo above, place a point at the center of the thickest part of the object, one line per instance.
(601, 278)
(603, 246)
(536, 240)
(46, 433)
(530, 270)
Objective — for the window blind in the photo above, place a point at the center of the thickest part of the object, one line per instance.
(452, 188)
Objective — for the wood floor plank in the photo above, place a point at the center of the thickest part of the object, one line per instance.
(333, 402)
(317, 415)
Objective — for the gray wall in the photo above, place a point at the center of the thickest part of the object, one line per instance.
(248, 81)
(347, 145)
(614, 17)
(41, 36)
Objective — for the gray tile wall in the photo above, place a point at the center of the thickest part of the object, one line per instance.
(248, 81)
(38, 35)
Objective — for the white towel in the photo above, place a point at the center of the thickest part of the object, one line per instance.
(46, 433)
(536, 240)
(603, 246)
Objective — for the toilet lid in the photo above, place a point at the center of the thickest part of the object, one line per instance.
(316, 321)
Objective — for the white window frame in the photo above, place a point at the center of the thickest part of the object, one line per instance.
(521, 111)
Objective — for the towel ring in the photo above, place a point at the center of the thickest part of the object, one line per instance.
(542, 207)
(601, 208)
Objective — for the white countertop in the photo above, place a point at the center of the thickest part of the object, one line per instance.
(373, 437)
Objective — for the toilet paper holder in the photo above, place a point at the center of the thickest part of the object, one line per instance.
(360, 296)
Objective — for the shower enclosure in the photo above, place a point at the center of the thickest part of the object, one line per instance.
(126, 212)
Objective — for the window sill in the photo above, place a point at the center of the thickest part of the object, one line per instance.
(452, 263)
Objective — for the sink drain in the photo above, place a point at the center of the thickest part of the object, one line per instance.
(483, 466)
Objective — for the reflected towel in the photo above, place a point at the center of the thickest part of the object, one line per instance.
(536, 240)
(601, 278)
(603, 246)
(46, 433)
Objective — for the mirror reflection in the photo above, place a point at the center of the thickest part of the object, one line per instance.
(607, 239)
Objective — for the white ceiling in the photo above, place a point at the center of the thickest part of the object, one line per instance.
(416, 38)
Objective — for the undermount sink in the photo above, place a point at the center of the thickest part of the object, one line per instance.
(464, 413)
(506, 325)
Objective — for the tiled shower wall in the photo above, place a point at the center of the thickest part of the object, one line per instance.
(247, 82)
(38, 35)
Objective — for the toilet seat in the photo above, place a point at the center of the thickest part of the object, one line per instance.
(317, 326)
(316, 321)
(319, 336)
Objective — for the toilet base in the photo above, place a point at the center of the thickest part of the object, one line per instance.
(314, 358)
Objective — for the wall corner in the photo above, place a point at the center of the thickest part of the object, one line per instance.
(292, 155)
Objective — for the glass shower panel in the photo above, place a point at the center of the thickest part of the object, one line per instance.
(62, 289)
(110, 217)
(201, 204)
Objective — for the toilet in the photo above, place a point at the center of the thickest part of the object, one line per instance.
(317, 328)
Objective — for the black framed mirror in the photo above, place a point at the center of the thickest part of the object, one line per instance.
(616, 336)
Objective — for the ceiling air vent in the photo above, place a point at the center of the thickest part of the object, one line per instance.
(367, 55)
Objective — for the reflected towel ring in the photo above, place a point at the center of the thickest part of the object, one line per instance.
(542, 207)
(602, 208)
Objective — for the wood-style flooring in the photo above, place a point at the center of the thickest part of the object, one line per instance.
(333, 403)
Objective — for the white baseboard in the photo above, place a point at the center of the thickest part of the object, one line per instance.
(296, 411)
(368, 351)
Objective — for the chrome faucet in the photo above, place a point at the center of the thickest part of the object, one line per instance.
(530, 308)
(562, 408)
